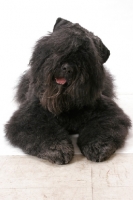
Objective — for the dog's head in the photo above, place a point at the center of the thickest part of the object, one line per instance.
(67, 67)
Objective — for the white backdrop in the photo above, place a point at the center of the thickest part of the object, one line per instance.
(22, 22)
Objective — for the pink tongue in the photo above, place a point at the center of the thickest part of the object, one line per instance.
(61, 81)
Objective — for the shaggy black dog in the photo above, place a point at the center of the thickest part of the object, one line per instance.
(67, 90)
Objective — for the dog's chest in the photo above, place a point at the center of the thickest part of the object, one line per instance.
(74, 120)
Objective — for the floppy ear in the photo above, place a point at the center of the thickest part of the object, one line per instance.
(60, 22)
(102, 49)
(105, 53)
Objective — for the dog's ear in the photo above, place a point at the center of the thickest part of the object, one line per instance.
(102, 49)
(60, 22)
(105, 53)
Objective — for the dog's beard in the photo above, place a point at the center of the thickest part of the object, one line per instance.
(61, 98)
(56, 100)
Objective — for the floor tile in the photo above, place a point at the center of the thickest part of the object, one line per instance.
(117, 171)
(113, 193)
(53, 193)
(27, 177)
(113, 179)
(23, 175)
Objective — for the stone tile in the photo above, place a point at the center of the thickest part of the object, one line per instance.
(26, 174)
(2, 160)
(117, 171)
(112, 193)
(113, 179)
(60, 193)
(26, 177)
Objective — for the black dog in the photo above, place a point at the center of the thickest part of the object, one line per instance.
(67, 90)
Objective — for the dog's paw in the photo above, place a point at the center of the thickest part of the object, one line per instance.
(59, 152)
(98, 151)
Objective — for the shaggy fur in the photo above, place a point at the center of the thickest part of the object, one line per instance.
(67, 90)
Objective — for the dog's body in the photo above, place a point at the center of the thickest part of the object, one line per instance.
(67, 90)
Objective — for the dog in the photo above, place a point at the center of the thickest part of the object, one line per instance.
(67, 90)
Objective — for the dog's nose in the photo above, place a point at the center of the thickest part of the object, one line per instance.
(66, 68)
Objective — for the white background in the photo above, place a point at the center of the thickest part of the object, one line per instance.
(22, 22)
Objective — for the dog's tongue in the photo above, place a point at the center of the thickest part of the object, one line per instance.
(60, 81)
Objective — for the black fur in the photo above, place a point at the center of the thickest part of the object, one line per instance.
(67, 90)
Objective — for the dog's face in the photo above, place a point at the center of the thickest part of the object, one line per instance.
(67, 67)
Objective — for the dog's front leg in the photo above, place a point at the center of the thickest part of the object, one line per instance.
(37, 133)
(105, 132)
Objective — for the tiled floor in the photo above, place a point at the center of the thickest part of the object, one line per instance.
(29, 178)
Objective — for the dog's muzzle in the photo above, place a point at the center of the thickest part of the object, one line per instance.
(64, 74)
(67, 69)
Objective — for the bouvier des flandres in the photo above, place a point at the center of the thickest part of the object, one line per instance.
(67, 90)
